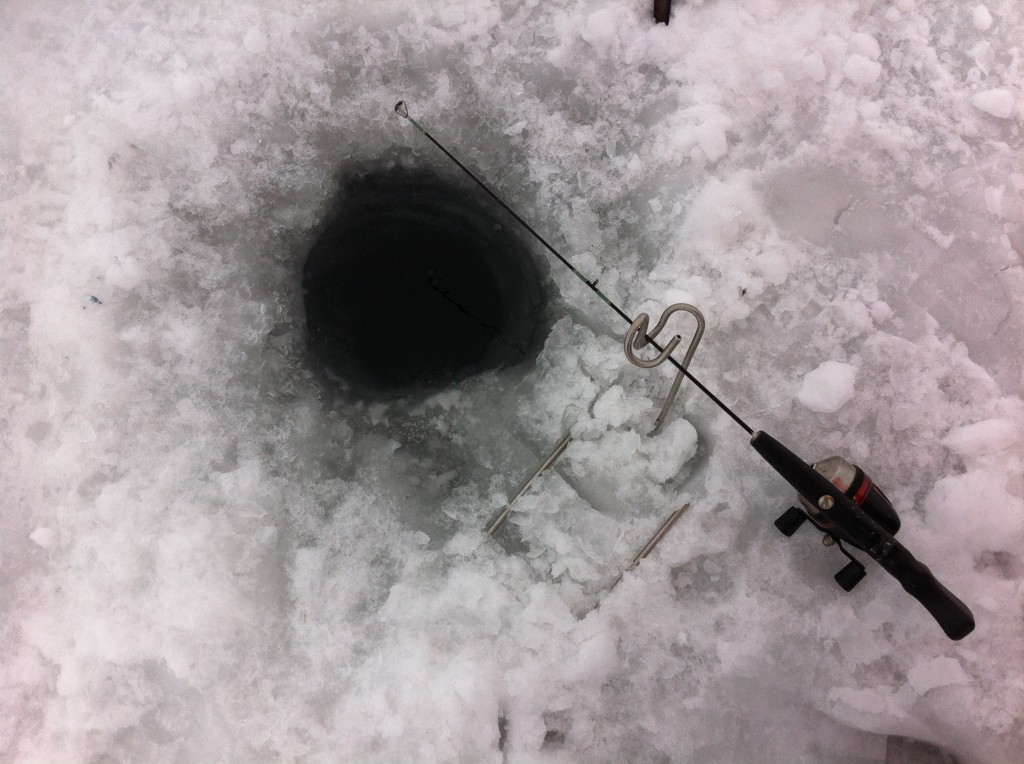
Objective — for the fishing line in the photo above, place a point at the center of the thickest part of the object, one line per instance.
(403, 111)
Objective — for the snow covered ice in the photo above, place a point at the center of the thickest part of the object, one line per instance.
(206, 556)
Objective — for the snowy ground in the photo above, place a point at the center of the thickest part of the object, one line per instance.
(205, 560)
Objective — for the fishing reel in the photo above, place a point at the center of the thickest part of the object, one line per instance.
(845, 504)
(861, 489)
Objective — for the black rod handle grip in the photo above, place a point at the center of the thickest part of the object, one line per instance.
(953, 616)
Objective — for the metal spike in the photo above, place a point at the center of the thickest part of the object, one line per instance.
(553, 457)
(655, 540)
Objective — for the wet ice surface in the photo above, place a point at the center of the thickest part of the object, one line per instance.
(207, 557)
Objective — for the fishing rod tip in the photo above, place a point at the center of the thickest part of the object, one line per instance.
(402, 109)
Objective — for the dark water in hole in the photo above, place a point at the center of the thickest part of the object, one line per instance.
(416, 284)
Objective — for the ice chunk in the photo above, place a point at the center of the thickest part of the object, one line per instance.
(880, 311)
(711, 138)
(987, 437)
(807, 200)
(722, 212)
(609, 407)
(44, 537)
(774, 266)
(937, 672)
(255, 41)
(979, 505)
(668, 452)
(813, 66)
(601, 29)
(828, 388)
(998, 102)
(866, 701)
(976, 316)
(865, 45)
(994, 200)
(592, 661)
(982, 18)
(861, 70)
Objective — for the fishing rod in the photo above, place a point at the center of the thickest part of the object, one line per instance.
(836, 497)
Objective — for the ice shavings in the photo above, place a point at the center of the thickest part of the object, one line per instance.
(208, 556)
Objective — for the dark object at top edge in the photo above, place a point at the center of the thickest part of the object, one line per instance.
(662, 11)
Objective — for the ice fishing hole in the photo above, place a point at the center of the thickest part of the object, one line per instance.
(417, 283)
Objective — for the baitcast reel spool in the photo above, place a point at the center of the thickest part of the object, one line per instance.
(859, 487)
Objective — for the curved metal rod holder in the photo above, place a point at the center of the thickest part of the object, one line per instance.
(638, 336)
